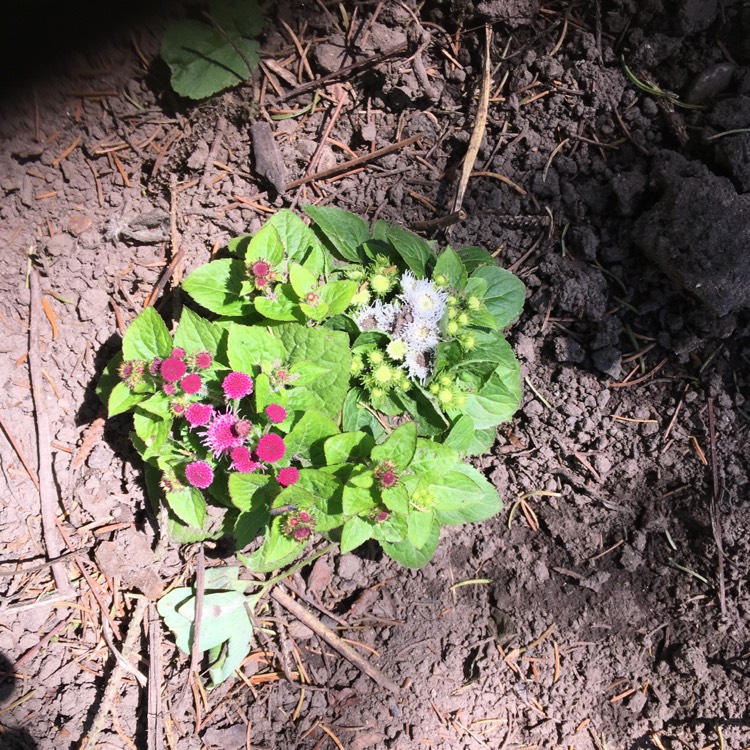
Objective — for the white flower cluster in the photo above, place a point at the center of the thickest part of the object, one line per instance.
(412, 319)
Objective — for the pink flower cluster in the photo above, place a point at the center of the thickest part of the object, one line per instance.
(299, 525)
(262, 274)
(178, 373)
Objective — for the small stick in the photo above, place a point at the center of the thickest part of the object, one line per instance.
(200, 590)
(714, 509)
(19, 453)
(47, 492)
(333, 640)
(440, 223)
(221, 126)
(355, 67)
(155, 714)
(352, 163)
(38, 566)
(480, 123)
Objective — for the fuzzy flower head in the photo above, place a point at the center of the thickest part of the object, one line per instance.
(276, 413)
(386, 475)
(172, 369)
(199, 474)
(243, 461)
(422, 335)
(178, 353)
(237, 385)
(288, 476)
(221, 435)
(426, 299)
(270, 448)
(201, 360)
(191, 383)
(417, 365)
(260, 268)
(199, 415)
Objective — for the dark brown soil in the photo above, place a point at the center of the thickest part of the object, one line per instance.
(600, 613)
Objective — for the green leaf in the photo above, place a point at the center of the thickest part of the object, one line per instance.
(461, 435)
(345, 231)
(337, 295)
(354, 417)
(195, 334)
(355, 533)
(327, 493)
(217, 287)
(301, 279)
(243, 16)
(329, 349)
(122, 399)
(432, 460)
(358, 500)
(399, 447)
(189, 505)
(497, 400)
(306, 439)
(147, 337)
(396, 500)
(307, 373)
(410, 556)
(296, 238)
(415, 251)
(482, 441)
(152, 430)
(244, 490)
(348, 447)
(249, 346)
(392, 529)
(265, 245)
(203, 61)
(450, 265)
(463, 495)
(282, 308)
(314, 312)
(420, 527)
(473, 257)
(277, 549)
(505, 295)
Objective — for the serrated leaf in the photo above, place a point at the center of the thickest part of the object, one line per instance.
(277, 549)
(348, 447)
(196, 334)
(329, 349)
(301, 279)
(505, 294)
(265, 245)
(448, 264)
(497, 400)
(399, 447)
(243, 16)
(314, 312)
(410, 556)
(357, 500)
(217, 287)
(307, 438)
(355, 532)
(431, 460)
(249, 346)
(282, 308)
(345, 231)
(244, 490)
(147, 337)
(152, 430)
(307, 373)
(396, 499)
(189, 505)
(295, 236)
(354, 417)
(326, 491)
(122, 399)
(337, 295)
(415, 251)
(393, 529)
(420, 525)
(473, 257)
(481, 441)
(461, 435)
(463, 495)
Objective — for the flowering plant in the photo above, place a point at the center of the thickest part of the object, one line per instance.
(342, 379)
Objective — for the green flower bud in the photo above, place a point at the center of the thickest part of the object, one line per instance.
(445, 396)
(440, 280)
(396, 349)
(473, 302)
(452, 327)
(383, 374)
(463, 319)
(375, 357)
(468, 342)
(380, 284)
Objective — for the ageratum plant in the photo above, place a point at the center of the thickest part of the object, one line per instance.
(334, 387)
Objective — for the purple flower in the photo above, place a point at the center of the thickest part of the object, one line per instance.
(242, 460)
(221, 436)
(191, 384)
(270, 448)
(199, 474)
(237, 385)
(288, 476)
(172, 369)
(276, 413)
(199, 415)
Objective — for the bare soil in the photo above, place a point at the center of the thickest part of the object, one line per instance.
(608, 605)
